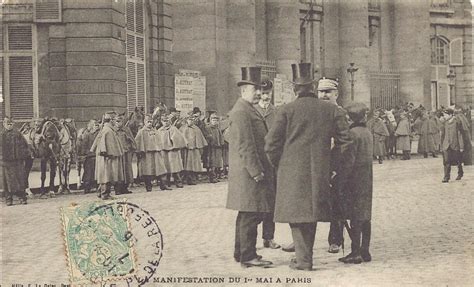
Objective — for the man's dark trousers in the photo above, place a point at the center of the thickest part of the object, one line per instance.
(335, 233)
(268, 226)
(246, 235)
(303, 237)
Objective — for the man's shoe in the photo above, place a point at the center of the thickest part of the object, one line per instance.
(256, 263)
(366, 257)
(237, 259)
(352, 258)
(23, 201)
(9, 203)
(289, 248)
(127, 191)
(459, 177)
(179, 185)
(271, 244)
(445, 180)
(334, 248)
(164, 187)
(294, 265)
(107, 197)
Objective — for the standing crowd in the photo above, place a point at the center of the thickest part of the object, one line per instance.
(305, 162)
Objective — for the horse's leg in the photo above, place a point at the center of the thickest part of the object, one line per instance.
(28, 166)
(52, 174)
(67, 169)
(43, 175)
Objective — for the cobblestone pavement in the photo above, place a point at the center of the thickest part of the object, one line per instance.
(422, 234)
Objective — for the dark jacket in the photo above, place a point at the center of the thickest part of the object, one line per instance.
(357, 172)
(299, 145)
(247, 159)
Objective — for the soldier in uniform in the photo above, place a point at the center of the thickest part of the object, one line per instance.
(129, 146)
(299, 145)
(109, 157)
(328, 90)
(84, 149)
(251, 177)
(452, 144)
(15, 151)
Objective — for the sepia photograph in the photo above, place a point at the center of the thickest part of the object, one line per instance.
(236, 143)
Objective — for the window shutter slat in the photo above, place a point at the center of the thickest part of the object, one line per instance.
(130, 14)
(130, 45)
(139, 16)
(455, 52)
(19, 38)
(21, 87)
(140, 85)
(131, 86)
(140, 48)
(47, 11)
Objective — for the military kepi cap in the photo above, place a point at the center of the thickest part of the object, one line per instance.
(251, 76)
(325, 84)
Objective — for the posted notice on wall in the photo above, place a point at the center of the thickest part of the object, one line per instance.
(282, 90)
(190, 90)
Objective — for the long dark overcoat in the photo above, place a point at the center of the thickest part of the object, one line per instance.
(299, 145)
(380, 132)
(357, 190)
(247, 159)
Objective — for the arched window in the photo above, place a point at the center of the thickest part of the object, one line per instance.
(439, 51)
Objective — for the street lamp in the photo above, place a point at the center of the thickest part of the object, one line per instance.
(351, 70)
(452, 81)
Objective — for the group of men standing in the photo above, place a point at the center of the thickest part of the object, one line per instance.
(286, 167)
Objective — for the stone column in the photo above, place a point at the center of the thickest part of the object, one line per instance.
(95, 58)
(412, 50)
(354, 48)
(283, 34)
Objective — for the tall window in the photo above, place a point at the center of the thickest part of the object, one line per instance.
(439, 51)
(17, 84)
(136, 76)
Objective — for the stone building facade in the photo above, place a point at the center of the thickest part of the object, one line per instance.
(74, 58)
(389, 41)
(79, 58)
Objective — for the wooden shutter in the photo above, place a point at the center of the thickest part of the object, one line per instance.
(130, 45)
(21, 87)
(47, 11)
(131, 86)
(141, 85)
(455, 52)
(20, 38)
(139, 16)
(130, 15)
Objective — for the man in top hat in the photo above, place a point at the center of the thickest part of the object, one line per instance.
(267, 112)
(109, 157)
(251, 177)
(299, 145)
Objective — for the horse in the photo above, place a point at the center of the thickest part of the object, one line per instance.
(68, 152)
(46, 144)
(135, 120)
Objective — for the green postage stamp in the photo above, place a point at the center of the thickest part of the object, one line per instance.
(97, 239)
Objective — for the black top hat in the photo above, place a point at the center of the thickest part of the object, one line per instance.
(173, 110)
(250, 76)
(196, 110)
(302, 73)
